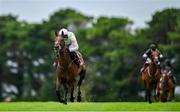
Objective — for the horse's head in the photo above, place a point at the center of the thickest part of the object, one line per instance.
(164, 76)
(154, 57)
(59, 44)
(163, 80)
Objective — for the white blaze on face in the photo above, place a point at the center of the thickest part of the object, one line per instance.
(163, 75)
(56, 43)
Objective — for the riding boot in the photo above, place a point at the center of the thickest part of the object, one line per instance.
(74, 57)
(144, 67)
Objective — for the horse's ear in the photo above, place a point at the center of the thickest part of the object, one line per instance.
(56, 33)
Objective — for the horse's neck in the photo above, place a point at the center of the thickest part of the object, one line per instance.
(152, 69)
(165, 79)
(64, 59)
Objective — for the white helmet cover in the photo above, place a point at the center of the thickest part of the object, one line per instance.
(63, 32)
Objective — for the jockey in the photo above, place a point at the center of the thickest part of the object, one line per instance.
(169, 69)
(71, 43)
(148, 55)
(168, 66)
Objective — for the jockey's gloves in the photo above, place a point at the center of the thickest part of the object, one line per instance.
(144, 56)
(161, 56)
(148, 60)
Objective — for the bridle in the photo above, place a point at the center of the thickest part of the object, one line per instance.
(60, 45)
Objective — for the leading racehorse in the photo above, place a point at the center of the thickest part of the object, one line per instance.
(67, 73)
(151, 76)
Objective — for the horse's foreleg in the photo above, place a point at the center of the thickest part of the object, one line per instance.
(79, 94)
(58, 90)
(66, 92)
(155, 92)
(145, 91)
(149, 94)
(171, 94)
(146, 95)
(158, 94)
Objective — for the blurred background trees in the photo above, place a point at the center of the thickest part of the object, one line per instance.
(111, 49)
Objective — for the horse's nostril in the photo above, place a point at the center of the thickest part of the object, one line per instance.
(56, 47)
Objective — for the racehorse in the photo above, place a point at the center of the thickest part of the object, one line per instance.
(166, 87)
(67, 73)
(151, 76)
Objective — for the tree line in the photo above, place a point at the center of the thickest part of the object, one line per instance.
(111, 50)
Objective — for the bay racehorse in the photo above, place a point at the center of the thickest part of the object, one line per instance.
(166, 87)
(67, 72)
(151, 76)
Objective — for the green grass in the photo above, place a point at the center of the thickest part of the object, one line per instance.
(89, 106)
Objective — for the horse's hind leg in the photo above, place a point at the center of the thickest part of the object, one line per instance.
(82, 75)
(66, 93)
(173, 90)
(72, 93)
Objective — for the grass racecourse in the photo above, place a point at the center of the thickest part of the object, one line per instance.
(89, 106)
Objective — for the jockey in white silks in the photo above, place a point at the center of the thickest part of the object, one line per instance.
(71, 43)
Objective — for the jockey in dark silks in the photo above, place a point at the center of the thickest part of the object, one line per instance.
(168, 67)
(148, 56)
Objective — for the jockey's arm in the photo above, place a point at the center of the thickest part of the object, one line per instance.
(74, 45)
(160, 54)
(146, 55)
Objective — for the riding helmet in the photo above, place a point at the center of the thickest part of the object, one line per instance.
(152, 46)
(63, 32)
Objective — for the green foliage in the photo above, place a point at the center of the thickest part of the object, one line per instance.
(163, 22)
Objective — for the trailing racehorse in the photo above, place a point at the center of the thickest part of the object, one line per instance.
(166, 87)
(67, 73)
(151, 76)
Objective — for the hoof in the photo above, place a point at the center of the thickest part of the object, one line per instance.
(150, 102)
(63, 101)
(79, 99)
(72, 99)
(60, 101)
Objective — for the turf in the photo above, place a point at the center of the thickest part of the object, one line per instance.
(90, 106)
